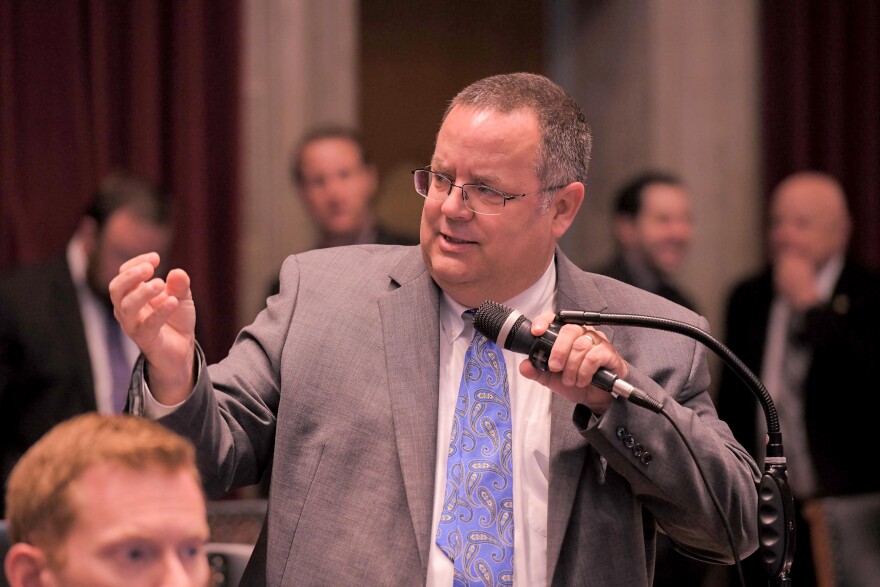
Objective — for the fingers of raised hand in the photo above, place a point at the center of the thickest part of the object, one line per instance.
(177, 284)
(140, 300)
(161, 309)
(130, 276)
(148, 258)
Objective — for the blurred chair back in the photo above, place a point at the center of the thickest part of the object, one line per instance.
(227, 562)
(236, 521)
(4, 548)
(235, 526)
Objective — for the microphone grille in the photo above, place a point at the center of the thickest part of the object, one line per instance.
(490, 317)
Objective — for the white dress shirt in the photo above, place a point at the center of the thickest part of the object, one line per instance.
(530, 408)
(790, 402)
(95, 318)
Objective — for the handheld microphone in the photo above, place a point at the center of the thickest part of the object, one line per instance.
(510, 329)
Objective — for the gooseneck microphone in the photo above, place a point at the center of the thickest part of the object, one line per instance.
(776, 518)
(510, 329)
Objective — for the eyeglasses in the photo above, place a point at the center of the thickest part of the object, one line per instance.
(478, 198)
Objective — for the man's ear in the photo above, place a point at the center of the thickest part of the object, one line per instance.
(25, 566)
(87, 232)
(565, 205)
(625, 231)
(372, 173)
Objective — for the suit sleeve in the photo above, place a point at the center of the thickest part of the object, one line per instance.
(645, 449)
(231, 415)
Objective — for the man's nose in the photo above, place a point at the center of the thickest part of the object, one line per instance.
(454, 205)
(176, 573)
(683, 230)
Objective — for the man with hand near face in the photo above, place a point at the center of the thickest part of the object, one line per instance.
(365, 386)
(807, 326)
(105, 501)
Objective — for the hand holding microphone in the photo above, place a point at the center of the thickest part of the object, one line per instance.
(583, 362)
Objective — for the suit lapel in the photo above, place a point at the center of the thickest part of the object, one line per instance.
(568, 449)
(411, 326)
(69, 326)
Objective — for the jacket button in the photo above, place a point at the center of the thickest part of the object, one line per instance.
(621, 432)
(629, 441)
(638, 450)
(646, 457)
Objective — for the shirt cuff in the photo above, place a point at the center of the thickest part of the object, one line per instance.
(153, 409)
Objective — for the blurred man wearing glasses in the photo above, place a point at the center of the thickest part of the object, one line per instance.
(366, 388)
(62, 352)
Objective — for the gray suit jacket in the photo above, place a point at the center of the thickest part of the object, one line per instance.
(336, 384)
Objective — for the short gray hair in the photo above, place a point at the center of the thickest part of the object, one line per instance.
(566, 140)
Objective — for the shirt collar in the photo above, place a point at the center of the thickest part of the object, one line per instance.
(537, 298)
(77, 261)
(828, 275)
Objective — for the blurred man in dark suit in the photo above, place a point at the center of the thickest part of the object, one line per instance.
(807, 325)
(62, 352)
(338, 182)
(652, 234)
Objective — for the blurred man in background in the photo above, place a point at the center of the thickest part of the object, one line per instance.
(338, 181)
(652, 234)
(105, 501)
(807, 325)
(62, 352)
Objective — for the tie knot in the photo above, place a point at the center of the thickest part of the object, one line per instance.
(468, 316)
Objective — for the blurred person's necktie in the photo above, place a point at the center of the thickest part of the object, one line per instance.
(120, 370)
(790, 407)
(476, 523)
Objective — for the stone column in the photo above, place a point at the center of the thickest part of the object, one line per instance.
(300, 68)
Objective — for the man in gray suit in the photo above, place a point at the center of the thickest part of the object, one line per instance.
(347, 383)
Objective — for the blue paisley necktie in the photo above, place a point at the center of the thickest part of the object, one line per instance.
(476, 524)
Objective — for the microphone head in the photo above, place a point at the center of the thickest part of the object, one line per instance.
(504, 326)
(489, 319)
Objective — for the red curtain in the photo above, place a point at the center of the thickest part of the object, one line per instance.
(821, 77)
(91, 85)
